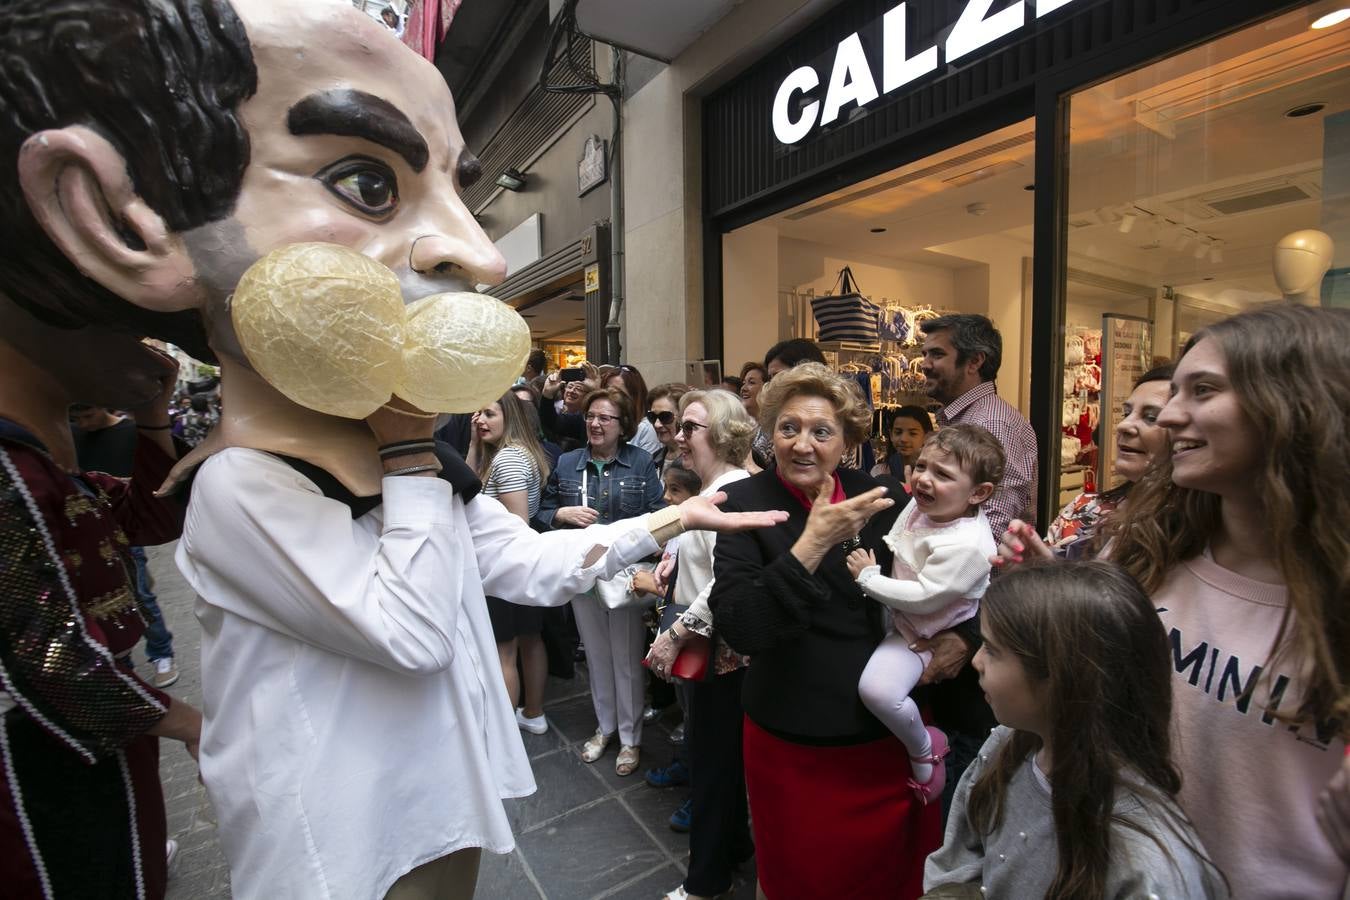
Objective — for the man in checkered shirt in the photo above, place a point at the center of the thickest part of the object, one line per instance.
(961, 356)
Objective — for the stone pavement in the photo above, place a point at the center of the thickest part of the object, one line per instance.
(586, 833)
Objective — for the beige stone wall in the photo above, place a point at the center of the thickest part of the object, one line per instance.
(663, 312)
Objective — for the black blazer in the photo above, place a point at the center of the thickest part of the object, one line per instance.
(808, 635)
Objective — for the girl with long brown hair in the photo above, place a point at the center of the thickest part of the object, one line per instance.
(1074, 797)
(505, 452)
(1240, 540)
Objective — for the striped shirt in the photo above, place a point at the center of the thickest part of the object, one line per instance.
(1015, 497)
(513, 469)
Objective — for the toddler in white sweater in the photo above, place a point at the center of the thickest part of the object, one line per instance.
(942, 543)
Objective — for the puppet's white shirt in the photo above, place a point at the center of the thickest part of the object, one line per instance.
(356, 721)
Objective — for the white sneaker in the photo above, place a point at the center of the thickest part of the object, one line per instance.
(536, 725)
(170, 851)
(166, 673)
(681, 894)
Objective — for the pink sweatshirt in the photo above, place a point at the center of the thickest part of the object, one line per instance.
(1250, 783)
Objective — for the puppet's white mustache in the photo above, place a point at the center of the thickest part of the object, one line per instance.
(327, 327)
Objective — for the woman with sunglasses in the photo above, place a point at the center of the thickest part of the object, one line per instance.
(714, 438)
(663, 401)
(607, 480)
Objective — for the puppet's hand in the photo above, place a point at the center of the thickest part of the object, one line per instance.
(398, 421)
(702, 514)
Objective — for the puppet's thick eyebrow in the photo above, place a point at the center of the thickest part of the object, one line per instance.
(360, 115)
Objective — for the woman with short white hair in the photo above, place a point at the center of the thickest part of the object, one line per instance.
(713, 435)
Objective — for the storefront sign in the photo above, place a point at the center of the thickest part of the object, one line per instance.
(591, 168)
(592, 275)
(1127, 353)
(852, 79)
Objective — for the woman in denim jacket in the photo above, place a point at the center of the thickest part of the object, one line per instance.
(607, 480)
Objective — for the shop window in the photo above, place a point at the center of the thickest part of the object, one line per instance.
(1183, 178)
(951, 232)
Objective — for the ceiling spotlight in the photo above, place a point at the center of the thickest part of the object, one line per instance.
(1332, 18)
(1028, 187)
(1306, 109)
(511, 180)
(878, 230)
(1127, 222)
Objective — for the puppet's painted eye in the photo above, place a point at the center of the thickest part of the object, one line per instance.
(366, 184)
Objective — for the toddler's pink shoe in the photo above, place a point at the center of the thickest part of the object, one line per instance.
(932, 789)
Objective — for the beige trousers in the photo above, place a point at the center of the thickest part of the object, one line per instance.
(452, 877)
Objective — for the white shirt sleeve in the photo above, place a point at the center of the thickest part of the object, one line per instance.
(953, 570)
(696, 572)
(549, 569)
(263, 543)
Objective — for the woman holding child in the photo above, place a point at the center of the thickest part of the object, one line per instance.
(831, 810)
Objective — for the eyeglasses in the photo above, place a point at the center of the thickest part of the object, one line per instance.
(665, 418)
(599, 418)
(687, 428)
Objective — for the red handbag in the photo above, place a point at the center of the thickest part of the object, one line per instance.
(692, 662)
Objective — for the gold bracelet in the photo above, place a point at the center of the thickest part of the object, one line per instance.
(665, 524)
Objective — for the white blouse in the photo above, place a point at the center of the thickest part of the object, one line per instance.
(356, 721)
(694, 585)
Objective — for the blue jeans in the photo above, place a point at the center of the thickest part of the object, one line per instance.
(158, 638)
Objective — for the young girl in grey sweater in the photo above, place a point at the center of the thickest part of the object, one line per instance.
(1074, 796)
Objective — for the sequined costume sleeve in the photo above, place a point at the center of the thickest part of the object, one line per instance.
(64, 612)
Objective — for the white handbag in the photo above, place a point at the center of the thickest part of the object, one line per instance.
(618, 593)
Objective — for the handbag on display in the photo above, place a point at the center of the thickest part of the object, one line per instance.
(1073, 350)
(847, 315)
(618, 593)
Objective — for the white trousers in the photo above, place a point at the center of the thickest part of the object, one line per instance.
(615, 646)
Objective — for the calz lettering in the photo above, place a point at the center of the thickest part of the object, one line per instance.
(852, 80)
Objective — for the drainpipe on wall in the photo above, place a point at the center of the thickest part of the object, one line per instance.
(564, 30)
(613, 328)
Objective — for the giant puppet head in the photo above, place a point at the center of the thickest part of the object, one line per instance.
(162, 147)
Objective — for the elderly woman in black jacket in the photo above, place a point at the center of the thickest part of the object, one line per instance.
(826, 780)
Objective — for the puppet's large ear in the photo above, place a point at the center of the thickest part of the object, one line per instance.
(81, 193)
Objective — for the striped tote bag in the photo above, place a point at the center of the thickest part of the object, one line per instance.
(847, 315)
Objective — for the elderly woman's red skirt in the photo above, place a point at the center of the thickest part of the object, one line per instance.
(837, 822)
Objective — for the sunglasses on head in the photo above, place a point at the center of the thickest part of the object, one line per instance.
(666, 418)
